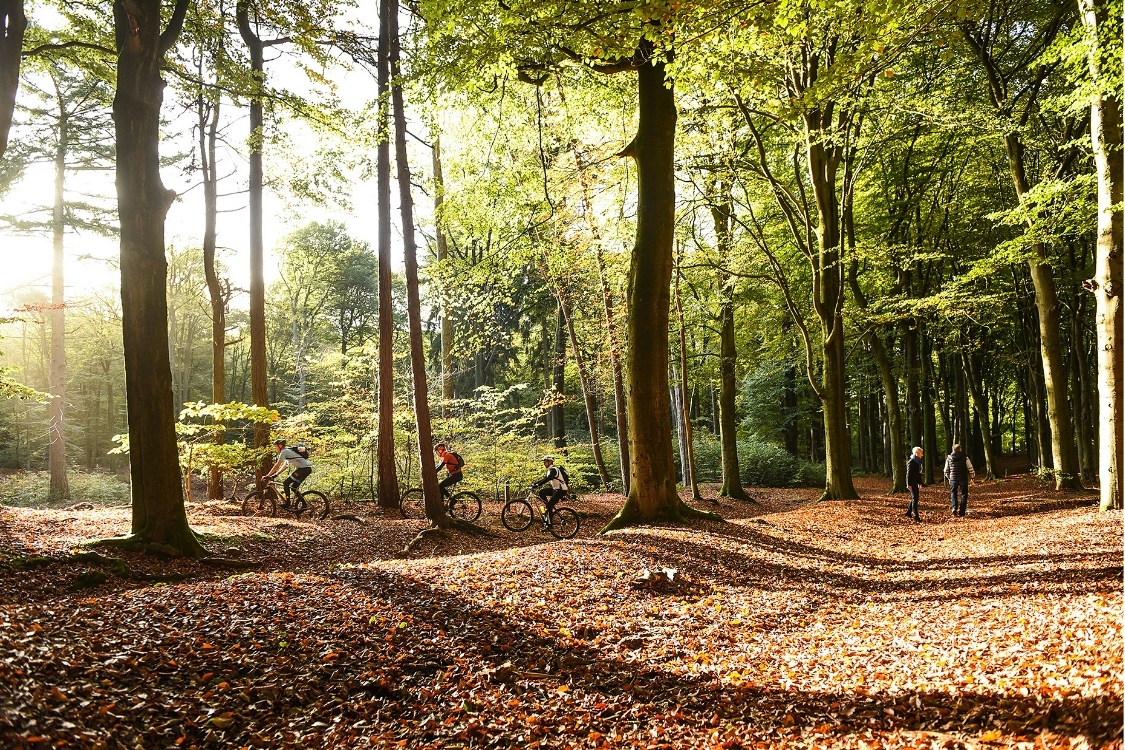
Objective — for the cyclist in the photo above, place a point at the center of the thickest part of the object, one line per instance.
(452, 462)
(300, 468)
(558, 479)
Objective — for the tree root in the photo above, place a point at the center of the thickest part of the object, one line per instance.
(119, 566)
(348, 517)
(413, 543)
(139, 542)
(677, 512)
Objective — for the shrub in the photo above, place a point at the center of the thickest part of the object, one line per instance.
(29, 489)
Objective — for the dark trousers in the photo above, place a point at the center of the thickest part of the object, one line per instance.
(293, 481)
(912, 509)
(551, 496)
(448, 482)
(964, 485)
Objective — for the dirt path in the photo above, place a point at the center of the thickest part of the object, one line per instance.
(796, 624)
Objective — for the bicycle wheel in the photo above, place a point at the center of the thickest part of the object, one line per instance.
(564, 523)
(412, 504)
(465, 506)
(316, 504)
(517, 515)
(260, 503)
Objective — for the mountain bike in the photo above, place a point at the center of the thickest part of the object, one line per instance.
(267, 501)
(518, 515)
(465, 506)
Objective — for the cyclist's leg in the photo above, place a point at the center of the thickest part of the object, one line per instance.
(294, 480)
(448, 482)
(556, 495)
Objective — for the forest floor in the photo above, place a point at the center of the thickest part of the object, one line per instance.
(795, 624)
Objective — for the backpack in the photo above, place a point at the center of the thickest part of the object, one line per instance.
(456, 455)
(301, 451)
(565, 476)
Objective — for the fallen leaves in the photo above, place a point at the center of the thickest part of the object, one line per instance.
(830, 625)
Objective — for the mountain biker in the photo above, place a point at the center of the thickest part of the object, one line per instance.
(300, 467)
(453, 463)
(556, 475)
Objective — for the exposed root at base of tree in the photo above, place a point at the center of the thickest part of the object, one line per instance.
(677, 512)
(191, 546)
(413, 543)
(348, 517)
(118, 566)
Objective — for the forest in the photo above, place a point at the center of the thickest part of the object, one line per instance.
(736, 281)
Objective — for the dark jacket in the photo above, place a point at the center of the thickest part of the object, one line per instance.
(914, 471)
(958, 468)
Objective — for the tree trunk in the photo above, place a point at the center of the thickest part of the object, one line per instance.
(789, 426)
(56, 436)
(208, 140)
(1064, 452)
(12, 25)
(728, 354)
(894, 414)
(913, 393)
(587, 391)
(159, 516)
(652, 485)
(1105, 136)
(447, 392)
(929, 422)
(610, 327)
(558, 383)
(685, 401)
(388, 471)
(259, 364)
(676, 405)
(980, 406)
(435, 506)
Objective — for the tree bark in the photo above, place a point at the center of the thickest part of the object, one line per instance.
(447, 391)
(587, 391)
(894, 413)
(435, 506)
(652, 485)
(1105, 136)
(388, 471)
(159, 516)
(208, 140)
(558, 378)
(610, 326)
(980, 406)
(12, 25)
(56, 437)
(728, 354)
(685, 401)
(259, 364)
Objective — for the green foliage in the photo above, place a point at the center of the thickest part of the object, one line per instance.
(30, 489)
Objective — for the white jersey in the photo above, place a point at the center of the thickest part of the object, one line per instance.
(294, 459)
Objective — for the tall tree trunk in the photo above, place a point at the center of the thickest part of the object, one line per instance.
(789, 426)
(828, 302)
(587, 390)
(1064, 451)
(913, 393)
(388, 471)
(676, 405)
(1105, 136)
(208, 140)
(980, 406)
(685, 401)
(728, 352)
(652, 485)
(929, 421)
(558, 382)
(259, 364)
(435, 507)
(56, 436)
(159, 516)
(12, 25)
(447, 392)
(610, 326)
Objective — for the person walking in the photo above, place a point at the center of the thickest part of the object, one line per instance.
(959, 472)
(914, 473)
